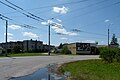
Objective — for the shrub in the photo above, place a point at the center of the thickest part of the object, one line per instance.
(108, 54)
(16, 49)
(66, 50)
(117, 56)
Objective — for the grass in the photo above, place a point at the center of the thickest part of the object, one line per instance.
(91, 70)
(26, 54)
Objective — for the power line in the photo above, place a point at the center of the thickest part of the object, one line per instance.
(72, 11)
(97, 9)
(75, 9)
(74, 2)
(30, 16)
(92, 32)
(90, 11)
(76, 30)
(24, 10)
(3, 17)
(79, 36)
(7, 18)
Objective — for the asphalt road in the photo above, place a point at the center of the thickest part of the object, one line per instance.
(20, 66)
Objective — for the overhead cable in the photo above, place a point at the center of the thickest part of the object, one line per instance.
(24, 10)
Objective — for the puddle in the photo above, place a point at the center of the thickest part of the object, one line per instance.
(42, 74)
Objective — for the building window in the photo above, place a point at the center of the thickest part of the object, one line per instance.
(79, 48)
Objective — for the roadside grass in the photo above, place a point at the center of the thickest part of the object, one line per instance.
(26, 54)
(29, 54)
(2, 56)
(91, 70)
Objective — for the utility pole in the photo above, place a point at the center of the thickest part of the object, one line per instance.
(49, 39)
(108, 36)
(6, 38)
(49, 23)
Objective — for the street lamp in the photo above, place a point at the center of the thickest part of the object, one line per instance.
(49, 39)
(109, 33)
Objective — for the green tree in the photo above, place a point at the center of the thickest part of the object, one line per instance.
(60, 46)
(114, 41)
(16, 49)
(65, 50)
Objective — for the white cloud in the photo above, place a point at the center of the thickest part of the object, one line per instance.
(30, 34)
(58, 28)
(44, 23)
(14, 27)
(64, 38)
(107, 20)
(63, 31)
(10, 38)
(9, 34)
(59, 20)
(48, 22)
(89, 41)
(59, 10)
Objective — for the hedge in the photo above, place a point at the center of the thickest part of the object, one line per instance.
(110, 54)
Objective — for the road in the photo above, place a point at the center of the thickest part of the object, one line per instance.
(20, 66)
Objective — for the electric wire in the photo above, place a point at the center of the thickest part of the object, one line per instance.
(88, 6)
(92, 11)
(24, 10)
(83, 31)
(68, 3)
(32, 17)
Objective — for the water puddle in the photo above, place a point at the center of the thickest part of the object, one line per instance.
(47, 73)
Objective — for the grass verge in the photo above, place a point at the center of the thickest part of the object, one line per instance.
(26, 54)
(91, 70)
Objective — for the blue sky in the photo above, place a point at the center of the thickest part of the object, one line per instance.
(74, 20)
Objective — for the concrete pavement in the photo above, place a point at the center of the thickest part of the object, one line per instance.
(20, 66)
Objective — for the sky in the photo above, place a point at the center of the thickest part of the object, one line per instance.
(70, 20)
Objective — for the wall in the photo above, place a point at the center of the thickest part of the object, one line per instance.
(72, 48)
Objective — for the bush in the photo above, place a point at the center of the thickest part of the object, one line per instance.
(16, 49)
(117, 56)
(110, 54)
(66, 50)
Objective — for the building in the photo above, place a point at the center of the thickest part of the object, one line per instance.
(46, 47)
(12, 45)
(25, 46)
(32, 45)
(82, 48)
(1, 49)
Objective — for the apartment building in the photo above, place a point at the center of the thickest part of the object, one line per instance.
(12, 45)
(31, 45)
(25, 45)
(1, 49)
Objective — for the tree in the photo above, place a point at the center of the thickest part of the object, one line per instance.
(66, 50)
(114, 41)
(60, 46)
(17, 49)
